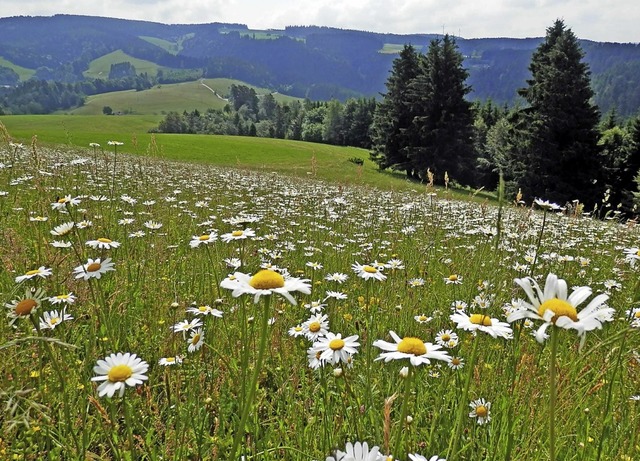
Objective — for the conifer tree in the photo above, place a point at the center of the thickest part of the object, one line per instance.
(560, 152)
(393, 118)
(442, 129)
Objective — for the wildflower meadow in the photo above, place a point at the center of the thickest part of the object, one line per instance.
(161, 310)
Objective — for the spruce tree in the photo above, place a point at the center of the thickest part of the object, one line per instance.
(560, 151)
(392, 118)
(442, 129)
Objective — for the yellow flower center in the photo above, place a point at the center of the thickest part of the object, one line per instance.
(62, 200)
(638, 253)
(54, 321)
(33, 272)
(202, 308)
(170, 359)
(410, 345)
(336, 344)
(314, 327)
(370, 269)
(480, 319)
(93, 267)
(266, 279)
(456, 361)
(560, 308)
(104, 240)
(62, 297)
(204, 237)
(195, 339)
(445, 337)
(25, 306)
(453, 278)
(482, 411)
(637, 315)
(298, 329)
(423, 318)
(120, 373)
(237, 233)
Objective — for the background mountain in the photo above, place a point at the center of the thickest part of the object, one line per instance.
(315, 62)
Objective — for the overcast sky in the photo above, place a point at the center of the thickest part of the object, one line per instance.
(610, 20)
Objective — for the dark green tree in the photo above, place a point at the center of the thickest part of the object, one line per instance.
(442, 124)
(393, 119)
(560, 148)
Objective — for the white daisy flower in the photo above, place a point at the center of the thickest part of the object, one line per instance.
(480, 409)
(482, 322)
(316, 326)
(265, 282)
(52, 319)
(42, 272)
(69, 298)
(338, 277)
(335, 349)
(555, 306)
(205, 310)
(196, 340)
(102, 243)
(356, 452)
(417, 457)
(118, 371)
(94, 268)
(417, 351)
(203, 239)
(238, 235)
(168, 361)
(368, 271)
(186, 325)
(632, 255)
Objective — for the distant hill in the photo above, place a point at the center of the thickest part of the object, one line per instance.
(307, 61)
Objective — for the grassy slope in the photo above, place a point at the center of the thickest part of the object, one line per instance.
(100, 67)
(23, 72)
(169, 47)
(164, 98)
(295, 158)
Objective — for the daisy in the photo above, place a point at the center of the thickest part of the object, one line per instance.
(102, 243)
(416, 282)
(447, 338)
(168, 361)
(338, 277)
(356, 452)
(313, 358)
(25, 306)
(94, 268)
(368, 272)
(238, 235)
(314, 265)
(453, 279)
(118, 371)
(316, 326)
(480, 409)
(315, 306)
(422, 318)
(334, 348)
(233, 263)
(204, 310)
(60, 244)
(153, 225)
(456, 363)
(482, 322)
(296, 331)
(265, 282)
(417, 457)
(52, 319)
(553, 306)
(335, 295)
(186, 325)
(38, 218)
(632, 255)
(394, 264)
(546, 205)
(205, 239)
(414, 349)
(459, 306)
(42, 272)
(62, 229)
(69, 298)
(61, 203)
(196, 340)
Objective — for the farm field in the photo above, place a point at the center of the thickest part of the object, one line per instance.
(163, 309)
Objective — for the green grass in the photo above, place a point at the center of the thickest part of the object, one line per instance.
(176, 97)
(246, 368)
(100, 67)
(297, 158)
(170, 47)
(23, 72)
(391, 48)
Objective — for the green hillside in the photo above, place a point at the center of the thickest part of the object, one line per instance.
(23, 72)
(100, 67)
(178, 97)
(297, 158)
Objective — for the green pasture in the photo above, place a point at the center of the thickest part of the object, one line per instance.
(391, 48)
(176, 97)
(170, 47)
(296, 158)
(100, 67)
(23, 72)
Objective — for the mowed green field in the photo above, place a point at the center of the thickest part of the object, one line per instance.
(296, 158)
(201, 95)
(100, 67)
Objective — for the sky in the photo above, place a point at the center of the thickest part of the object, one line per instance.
(604, 21)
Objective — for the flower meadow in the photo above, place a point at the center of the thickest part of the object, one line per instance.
(160, 310)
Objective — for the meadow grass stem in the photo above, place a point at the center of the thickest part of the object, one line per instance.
(553, 393)
(403, 412)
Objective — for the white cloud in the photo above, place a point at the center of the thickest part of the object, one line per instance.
(615, 20)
